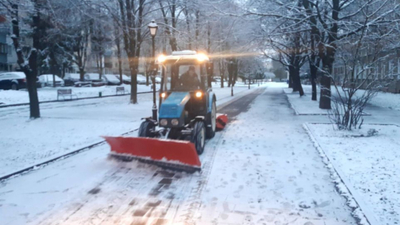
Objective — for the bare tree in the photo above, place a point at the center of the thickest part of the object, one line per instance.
(131, 20)
(27, 61)
(362, 62)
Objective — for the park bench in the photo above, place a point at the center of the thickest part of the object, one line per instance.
(63, 93)
(120, 90)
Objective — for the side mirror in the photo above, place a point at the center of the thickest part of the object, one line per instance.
(210, 68)
(155, 68)
(210, 72)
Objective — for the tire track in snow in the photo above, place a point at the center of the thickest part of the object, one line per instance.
(193, 203)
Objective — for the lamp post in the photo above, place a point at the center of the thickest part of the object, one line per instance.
(153, 31)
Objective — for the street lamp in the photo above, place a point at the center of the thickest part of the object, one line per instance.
(153, 31)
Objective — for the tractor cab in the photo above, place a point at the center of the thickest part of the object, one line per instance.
(185, 71)
(185, 91)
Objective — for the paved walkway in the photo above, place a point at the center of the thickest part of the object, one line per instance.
(266, 171)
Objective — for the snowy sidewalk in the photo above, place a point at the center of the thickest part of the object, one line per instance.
(267, 171)
(68, 126)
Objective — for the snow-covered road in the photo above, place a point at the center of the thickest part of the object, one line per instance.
(262, 169)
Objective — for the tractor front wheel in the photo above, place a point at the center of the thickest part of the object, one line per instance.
(145, 129)
(212, 121)
(199, 136)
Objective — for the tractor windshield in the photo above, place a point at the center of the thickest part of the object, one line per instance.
(184, 77)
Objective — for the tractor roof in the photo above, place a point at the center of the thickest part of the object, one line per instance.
(184, 56)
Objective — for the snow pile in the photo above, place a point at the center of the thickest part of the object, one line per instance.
(368, 162)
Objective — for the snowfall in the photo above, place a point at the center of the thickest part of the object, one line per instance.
(279, 161)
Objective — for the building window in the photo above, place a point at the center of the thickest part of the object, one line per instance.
(3, 48)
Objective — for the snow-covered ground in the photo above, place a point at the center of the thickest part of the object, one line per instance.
(68, 126)
(50, 93)
(370, 164)
(262, 169)
(304, 106)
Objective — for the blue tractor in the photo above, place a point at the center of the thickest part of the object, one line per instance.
(187, 114)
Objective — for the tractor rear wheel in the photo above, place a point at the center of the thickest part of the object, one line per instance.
(212, 121)
(145, 129)
(199, 136)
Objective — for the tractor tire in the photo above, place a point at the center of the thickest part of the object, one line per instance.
(199, 136)
(145, 129)
(212, 120)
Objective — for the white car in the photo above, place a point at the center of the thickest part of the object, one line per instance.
(158, 80)
(141, 79)
(125, 79)
(48, 80)
(111, 79)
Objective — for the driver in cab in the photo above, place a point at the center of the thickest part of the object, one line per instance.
(189, 79)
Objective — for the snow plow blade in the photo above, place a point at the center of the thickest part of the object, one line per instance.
(171, 154)
(222, 120)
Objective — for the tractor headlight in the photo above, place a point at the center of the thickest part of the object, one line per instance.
(161, 58)
(174, 122)
(163, 122)
(201, 57)
(199, 94)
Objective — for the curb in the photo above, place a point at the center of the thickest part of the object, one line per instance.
(361, 212)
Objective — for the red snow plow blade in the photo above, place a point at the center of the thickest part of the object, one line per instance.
(222, 120)
(172, 154)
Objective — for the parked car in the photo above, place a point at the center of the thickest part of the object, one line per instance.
(216, 79)
(125, 79)
(95, 80)
(111, 79)
(141, 79)
(71, 78)
(158, 80)
(47, 80)
(12, 80)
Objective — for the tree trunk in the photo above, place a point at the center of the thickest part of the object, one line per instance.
(81, 74)
(297, 81)
(120, 69)
(295, 74)
(99, 62)
(235, 73)
(325, 96)
(313, 73)
(230, 73)
(290, 81)
(31, 76)
(133, 65)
